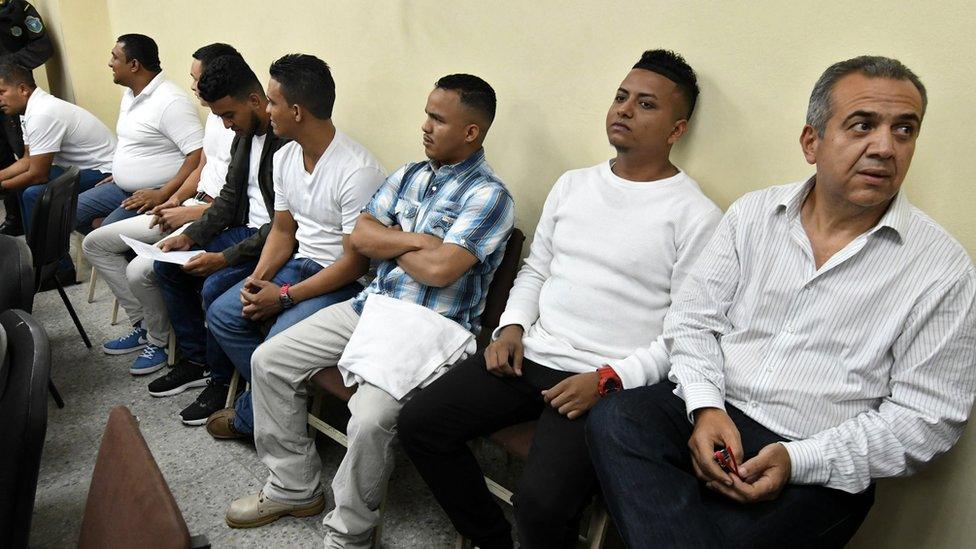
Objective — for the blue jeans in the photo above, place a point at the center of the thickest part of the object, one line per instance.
(184, 292)
(638, 441)
(239, 337)
(30, 196)
(102, 201)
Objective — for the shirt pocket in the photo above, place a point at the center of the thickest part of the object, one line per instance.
(442, 217)
(406, 213)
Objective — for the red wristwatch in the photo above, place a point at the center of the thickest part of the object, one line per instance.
(286, 301)
(609, 381)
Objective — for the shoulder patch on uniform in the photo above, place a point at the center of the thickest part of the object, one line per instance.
(16, 31)
(33, 24)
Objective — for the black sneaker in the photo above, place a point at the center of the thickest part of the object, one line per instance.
(210, 400)
(184, 375)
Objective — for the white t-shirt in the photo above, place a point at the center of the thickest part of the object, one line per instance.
(257, 211)
(326, 202)
(156, 130)
(73, 134)
(217, 141)
(608, 258)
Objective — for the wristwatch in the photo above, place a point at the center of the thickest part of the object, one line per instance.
(286, 301)
(609, 381)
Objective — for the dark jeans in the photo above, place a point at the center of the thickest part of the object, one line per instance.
(239, 337)
(184, 292)
(467, 402)
(638, 439)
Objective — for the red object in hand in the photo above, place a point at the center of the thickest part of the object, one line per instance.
(726, 460)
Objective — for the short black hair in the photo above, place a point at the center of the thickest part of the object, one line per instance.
(307, 81)
(673, 67)
(141, 48)
(227, 75)
(208, 53)
(473, 92)
(14, 74)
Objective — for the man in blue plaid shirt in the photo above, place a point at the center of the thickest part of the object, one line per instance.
(438, 229)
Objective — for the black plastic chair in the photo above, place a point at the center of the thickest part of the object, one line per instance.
(50, 234)
(17, 285)
(24, 374)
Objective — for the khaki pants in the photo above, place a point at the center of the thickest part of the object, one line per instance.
(280, 369)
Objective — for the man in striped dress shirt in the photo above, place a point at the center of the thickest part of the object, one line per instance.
(827, 338)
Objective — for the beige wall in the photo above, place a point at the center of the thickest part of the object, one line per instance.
(555, 66)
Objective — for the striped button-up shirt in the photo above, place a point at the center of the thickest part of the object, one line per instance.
(464, 204)
(866, 365)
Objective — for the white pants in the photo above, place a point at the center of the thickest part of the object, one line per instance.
(280, 370)
(105, 250)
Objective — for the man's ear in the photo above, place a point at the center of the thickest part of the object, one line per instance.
(254, 99)
(471, 133)
(297, 112)
(809, 141)
(679, 129)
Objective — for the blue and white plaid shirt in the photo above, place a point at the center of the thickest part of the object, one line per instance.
(464, 204)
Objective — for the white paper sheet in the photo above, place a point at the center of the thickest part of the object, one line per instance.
(152, 252)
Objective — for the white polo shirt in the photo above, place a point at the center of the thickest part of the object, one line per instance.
(217, 141)
(156, 130)
(326, 202)
(73, 134)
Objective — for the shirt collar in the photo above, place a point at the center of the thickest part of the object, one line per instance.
(895, 218)
(35, 95)
(150, 87)
(474, 160)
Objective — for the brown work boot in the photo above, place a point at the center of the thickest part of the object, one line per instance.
(258, 510)
(220, 425)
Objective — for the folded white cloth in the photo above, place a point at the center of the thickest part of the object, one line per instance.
(399, 346)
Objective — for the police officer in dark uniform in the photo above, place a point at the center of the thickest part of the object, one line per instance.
(23, 40)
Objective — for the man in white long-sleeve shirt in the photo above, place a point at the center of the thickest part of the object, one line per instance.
(612, 246)
(826, 338)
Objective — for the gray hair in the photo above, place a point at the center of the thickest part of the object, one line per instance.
(872, 66)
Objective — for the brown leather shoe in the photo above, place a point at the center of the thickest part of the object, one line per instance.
(220, 425)
(258, 510)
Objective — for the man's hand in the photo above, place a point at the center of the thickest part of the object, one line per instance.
(205, 263)
(713, 430)
(763, 476)
(173, 218)
(573, 396)
(144, 199)
(178, 243)
(108, 179)
(503, 357)
(260, 299)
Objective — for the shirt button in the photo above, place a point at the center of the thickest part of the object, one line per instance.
(770, 370)
(753, 404)
(433, 189)
(789, 328)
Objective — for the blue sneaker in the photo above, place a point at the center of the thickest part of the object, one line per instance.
(129, 343)
(151, 360)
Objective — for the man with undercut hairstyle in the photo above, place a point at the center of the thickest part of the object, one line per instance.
(230, 233)
(825, 338)
(611, 250)
(438, 229)
(57, 136)
(323, 179)
(159, 138)
(133, 282)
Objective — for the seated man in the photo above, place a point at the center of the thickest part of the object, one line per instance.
(57, 136)
(826, 338)
(322, 180)
(109, 255)
(231, 232)
(439, 230)
(159, 134)
(584, 308)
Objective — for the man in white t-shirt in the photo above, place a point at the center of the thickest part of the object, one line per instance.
(159, 138)
(133, 283)
(57, 136)
(611, 250)
(231, 234)
(322, 180)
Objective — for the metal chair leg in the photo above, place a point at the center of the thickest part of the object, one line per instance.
(55, 394)
(71, 311)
